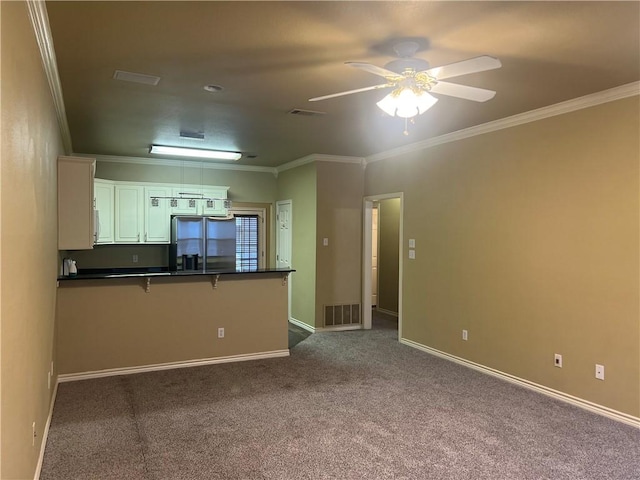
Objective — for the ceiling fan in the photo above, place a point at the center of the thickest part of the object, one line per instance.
(413, 81)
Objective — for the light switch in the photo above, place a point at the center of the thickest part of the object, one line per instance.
(412, 243)
(325, 242)
(412, 254)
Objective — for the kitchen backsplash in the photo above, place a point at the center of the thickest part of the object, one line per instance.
(120, 256)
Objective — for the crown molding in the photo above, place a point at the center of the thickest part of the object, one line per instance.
(613, 94)
(40, 22)
(318, 157)
(178, 163)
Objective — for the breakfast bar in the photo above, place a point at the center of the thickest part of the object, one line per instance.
(116, 323)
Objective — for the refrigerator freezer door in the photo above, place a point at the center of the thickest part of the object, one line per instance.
(221, 244)
(189, 240)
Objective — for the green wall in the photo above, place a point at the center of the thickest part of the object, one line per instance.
(245, 186)
(299, 185)
(340, 188)
(388, 254)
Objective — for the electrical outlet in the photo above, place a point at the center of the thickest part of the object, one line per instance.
(465, 335)
(599, 372)
(134, 258)
(412, 254)
(557, 360)
(33, 434)
(221, 333)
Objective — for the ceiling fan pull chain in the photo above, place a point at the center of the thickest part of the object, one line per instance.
(406, 128)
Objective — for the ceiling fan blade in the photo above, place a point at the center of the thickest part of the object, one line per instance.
(473, 65)
(463, 91)
(349, 92)
(383, 72)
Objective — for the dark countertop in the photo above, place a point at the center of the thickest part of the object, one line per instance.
(106, 273)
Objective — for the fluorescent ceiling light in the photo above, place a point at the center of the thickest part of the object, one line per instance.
(195, 153)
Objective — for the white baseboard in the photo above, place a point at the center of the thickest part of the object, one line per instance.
(550, 392)
(303, 325)
(388, 312)
(45, 432)
(339, 328)
(72, 377)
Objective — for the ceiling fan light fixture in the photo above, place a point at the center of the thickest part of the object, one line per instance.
(195, 153)
(406, 103)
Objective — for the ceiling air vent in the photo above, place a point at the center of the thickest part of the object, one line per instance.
(136, 77)
(192, 135)
(305, 113)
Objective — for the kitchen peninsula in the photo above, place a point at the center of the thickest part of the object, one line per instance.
(130, 322)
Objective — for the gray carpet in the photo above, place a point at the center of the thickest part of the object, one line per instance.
(351, 405)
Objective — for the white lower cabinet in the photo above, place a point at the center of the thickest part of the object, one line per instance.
(128, 214)
(157, 215)
(103, 192)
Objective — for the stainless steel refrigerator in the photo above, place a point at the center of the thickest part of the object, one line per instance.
(202, 243)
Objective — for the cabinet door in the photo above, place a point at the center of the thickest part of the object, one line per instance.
(103, 192)
(129, 214)
(212, 202)
(157, 217)
(76, 229)
(185, 206)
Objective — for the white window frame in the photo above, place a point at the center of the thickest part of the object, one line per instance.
(261, 214)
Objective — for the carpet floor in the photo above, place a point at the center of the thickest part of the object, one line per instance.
(344, 405)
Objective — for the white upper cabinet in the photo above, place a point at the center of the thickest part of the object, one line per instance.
(157, 214)
(128, 214)
(141, 212)
(213, 200)
(104, 202)
(185, 200)
(76, 228)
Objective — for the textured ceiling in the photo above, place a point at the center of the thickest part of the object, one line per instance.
(271, 57)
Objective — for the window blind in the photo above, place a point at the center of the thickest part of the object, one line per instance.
(247, 247)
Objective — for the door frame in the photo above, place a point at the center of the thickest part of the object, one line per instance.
(277, 234)
(261, 213)
(367, 222)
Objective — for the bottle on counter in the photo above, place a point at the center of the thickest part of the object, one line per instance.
(73, 269)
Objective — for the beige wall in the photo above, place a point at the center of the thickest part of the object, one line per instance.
(245, 186)
(528, 238)
(388, 250)
(340, 188)
(30, 145)
(115, 323)
(299, 186)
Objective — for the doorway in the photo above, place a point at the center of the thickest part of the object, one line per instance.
(367, 260)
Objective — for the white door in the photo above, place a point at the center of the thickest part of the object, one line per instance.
(283, 239)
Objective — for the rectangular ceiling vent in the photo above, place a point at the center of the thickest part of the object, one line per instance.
(192, 135)
(305, 113)
(136, 77)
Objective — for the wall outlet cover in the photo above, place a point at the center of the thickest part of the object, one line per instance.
(557, 360)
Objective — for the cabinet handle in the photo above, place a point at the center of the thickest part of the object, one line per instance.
(145, 237)
(138, 237)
